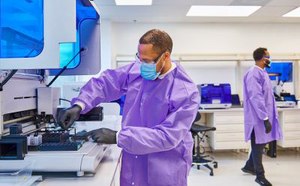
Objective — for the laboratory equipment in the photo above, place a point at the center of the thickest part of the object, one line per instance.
(215, 96)
(281, 73)
(31, 47)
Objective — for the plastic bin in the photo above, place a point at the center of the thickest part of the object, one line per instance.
(15, 172)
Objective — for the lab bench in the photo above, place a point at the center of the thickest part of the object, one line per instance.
(230, 128)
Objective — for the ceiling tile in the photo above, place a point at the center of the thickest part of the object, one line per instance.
(272, 11)
(284, 3)
(175, 11)
(250, 2)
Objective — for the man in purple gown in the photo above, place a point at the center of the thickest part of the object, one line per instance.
(260, 113)
(161, 104)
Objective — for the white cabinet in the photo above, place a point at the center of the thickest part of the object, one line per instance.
(229, 132)
(290, 123)
(230, 128)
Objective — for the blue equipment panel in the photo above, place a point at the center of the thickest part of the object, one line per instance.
(283, 69)
(215, 93)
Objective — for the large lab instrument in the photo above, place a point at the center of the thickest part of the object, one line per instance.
(280, 74)
(51, 34)
(215, 96)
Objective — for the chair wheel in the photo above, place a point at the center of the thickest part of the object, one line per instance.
(215, 165)
(211, 173)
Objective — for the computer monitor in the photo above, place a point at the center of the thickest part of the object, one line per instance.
(235, 100)
(284, 71)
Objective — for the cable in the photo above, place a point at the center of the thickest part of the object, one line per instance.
(10, 75)
(62, 99)
(65, 67)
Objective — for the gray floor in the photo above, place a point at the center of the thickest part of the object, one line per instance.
(281, 171)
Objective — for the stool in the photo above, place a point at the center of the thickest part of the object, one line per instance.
(200, 158)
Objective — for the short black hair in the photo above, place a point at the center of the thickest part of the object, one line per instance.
(160, 40)
(259, 53)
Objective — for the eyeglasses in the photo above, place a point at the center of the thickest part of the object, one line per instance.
(139, 60)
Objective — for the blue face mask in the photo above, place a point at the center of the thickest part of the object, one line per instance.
(148, 71)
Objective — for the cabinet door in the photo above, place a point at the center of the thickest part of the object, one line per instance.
(290, 123)
(230, 130)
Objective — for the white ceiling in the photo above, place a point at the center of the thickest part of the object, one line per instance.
(175, 11)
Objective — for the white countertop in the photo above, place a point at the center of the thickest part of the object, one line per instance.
(283, 109)
(220, 110)
(103, 177)
(238, 110)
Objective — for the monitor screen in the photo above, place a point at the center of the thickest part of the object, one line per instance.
(215, 93)
(281, 70)
(235, 99)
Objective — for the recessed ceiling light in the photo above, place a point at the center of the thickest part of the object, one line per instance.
(293, 13)
(133, 2)
(222, 11)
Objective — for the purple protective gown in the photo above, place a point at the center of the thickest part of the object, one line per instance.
(157, 117)
(259, 103)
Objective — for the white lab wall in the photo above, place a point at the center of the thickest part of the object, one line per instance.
(212, 72)
(195, 38)
(191, 39)
(121, 39)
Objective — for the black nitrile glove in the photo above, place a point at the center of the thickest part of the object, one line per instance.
(104, 135)
(67, 116)
(268, 126)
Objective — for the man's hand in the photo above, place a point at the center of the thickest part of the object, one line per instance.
(268, 126)
(67, 116)
(104, 135)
